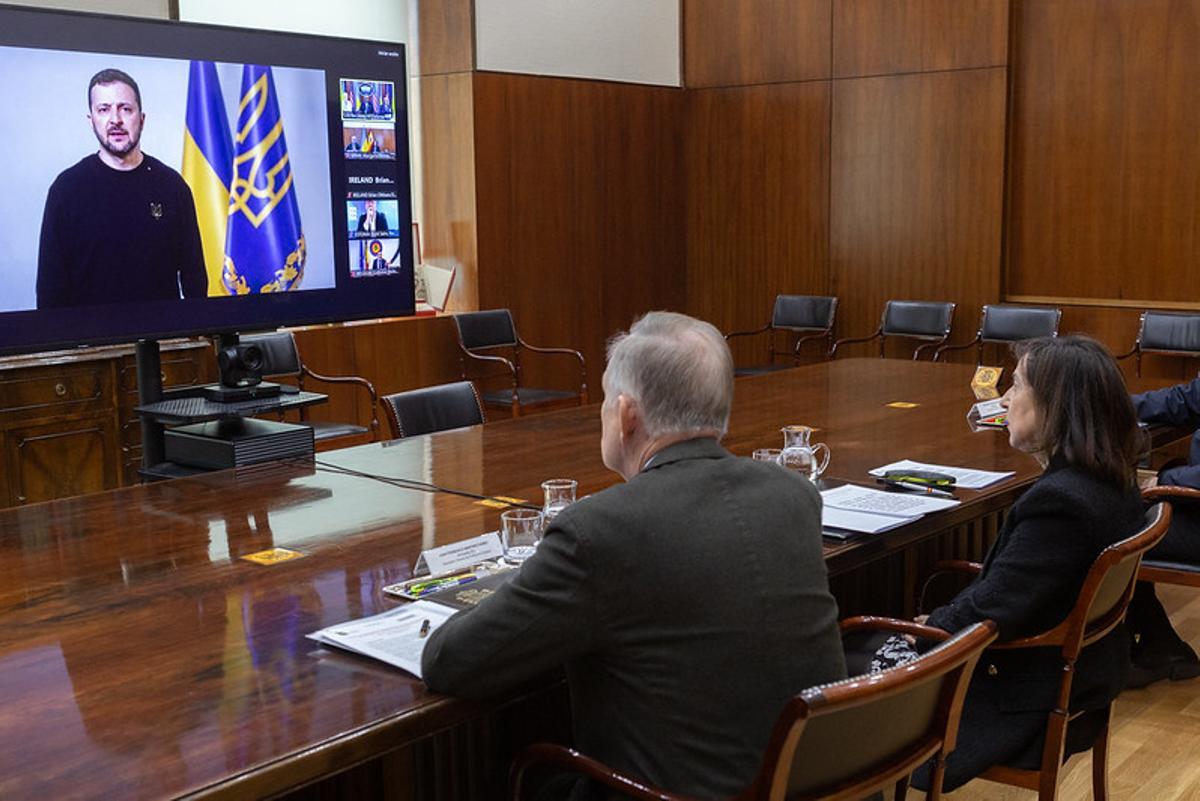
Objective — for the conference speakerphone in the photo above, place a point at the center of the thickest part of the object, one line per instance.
(222, 444)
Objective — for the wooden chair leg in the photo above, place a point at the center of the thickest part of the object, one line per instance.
(1100, 766)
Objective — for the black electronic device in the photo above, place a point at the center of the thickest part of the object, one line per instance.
(304, 140)
(240, 368)
(236, 442)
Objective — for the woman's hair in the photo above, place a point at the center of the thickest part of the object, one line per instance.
(1087, 417)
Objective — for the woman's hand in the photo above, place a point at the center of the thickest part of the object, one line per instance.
(918, 619)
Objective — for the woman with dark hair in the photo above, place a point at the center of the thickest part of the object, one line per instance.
(1068, 408)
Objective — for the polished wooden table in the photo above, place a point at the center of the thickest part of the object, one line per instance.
(141, 657)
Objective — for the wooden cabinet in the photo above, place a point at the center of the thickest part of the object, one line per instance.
(67, 424)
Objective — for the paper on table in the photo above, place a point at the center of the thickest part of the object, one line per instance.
(893, 504)
(964, 477)
(393, 637)
(862, 522)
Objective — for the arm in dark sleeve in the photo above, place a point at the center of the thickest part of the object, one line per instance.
(1178, 405)
(1183, 476)
(1031, 585)
(53, 277)
(545, 616)
(193, 277)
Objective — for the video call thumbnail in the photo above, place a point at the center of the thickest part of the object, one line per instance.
(375, 257)
(372, 101)
(369, 142)
(371, 218)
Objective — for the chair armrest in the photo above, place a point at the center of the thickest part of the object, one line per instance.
(937, 354)
(940, 587)
(851, 340)
(800, 340)
(485, 358)
(1130, 353)
(934, 344)
(873, 623)
(762, 330)
(560, 756)
(343, 379)
(565, 351)
(1170, 492)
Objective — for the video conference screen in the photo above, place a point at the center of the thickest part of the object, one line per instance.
(167, 179)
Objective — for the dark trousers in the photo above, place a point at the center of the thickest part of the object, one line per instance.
(1155, 639)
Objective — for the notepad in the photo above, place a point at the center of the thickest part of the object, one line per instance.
(964, 477)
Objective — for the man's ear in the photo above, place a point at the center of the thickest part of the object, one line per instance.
(629, 416)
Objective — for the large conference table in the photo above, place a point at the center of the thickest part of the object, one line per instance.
(142, 657)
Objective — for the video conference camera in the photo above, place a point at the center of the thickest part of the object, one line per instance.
(240, 367)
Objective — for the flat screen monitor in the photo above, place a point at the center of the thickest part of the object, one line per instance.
(168, 179)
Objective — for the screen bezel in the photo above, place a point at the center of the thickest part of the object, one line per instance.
(349, 299)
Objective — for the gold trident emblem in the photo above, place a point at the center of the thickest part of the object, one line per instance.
(243, 189)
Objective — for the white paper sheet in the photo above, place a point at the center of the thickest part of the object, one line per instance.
(842, 521)
(893, 504)
(393, 637)
(964, 477)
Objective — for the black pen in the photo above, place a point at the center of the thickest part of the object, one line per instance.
(424, 628)
(922, 488)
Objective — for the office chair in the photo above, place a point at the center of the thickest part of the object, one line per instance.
(1101, 606)
(430, 409)
(1008, 324)
(818, 749)
(1184, 574)
(1166, 333)
(483, 335)
(808, 317)
(911, 319)
(281, 357)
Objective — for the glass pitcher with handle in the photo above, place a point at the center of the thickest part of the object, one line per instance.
(807, 458)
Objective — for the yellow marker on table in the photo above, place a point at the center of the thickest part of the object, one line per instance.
(273, 556)
(499, 502)
(902, 405)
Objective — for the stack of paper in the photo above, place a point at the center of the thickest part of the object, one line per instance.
(964, 477)
(397, 636)
(850, 509)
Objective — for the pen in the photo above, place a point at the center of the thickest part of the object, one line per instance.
(435, 584)
(904, 485)
(424, 628)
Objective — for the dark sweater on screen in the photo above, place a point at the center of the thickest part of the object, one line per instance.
(112, 236)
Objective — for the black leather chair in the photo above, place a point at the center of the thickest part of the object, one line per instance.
(1161, 571)
(484, 335)
(910, 319)
(807, 317)
(281, 358)
(1167, 333)
(430, 409)
(842, 740)
(1008, 324)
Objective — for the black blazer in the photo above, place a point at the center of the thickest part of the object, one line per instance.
(1030, 580)
(688, 606)
(1176, 406)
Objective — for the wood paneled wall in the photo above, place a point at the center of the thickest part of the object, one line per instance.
(882, 181)
(580, 188)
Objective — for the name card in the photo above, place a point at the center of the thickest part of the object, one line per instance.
(457, 556)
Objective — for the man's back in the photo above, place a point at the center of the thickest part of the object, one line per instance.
(688, 605)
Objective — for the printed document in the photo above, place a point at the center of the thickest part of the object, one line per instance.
(397, 636)
(964, 477)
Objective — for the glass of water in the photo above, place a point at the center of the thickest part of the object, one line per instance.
(520, 531)
(766, 455)
(558, 494)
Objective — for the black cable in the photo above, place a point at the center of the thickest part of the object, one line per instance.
(421, 486)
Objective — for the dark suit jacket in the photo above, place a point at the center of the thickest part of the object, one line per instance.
(688, 606)
(1030, 580)
(1177, 406)
(381, 226)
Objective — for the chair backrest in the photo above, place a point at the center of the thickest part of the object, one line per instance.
(1170, 332)
(917, 318)
(486, 329)
(856, 735)
(429, 409)
(1109, 584)
(280, 354)
(804, 312)
(1014, 323)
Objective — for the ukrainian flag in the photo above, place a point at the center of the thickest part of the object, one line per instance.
(264, 245)
(208, 165)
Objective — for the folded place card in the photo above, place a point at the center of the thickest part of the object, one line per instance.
(457, 556)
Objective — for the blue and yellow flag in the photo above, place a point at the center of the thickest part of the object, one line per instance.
(208, 165)
(264, 246)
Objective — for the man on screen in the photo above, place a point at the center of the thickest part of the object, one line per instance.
(688, 604)
(119, 225)
(372, 221)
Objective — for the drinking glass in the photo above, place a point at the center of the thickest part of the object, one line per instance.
(766, 455)
(559, 493)
(521, 531)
